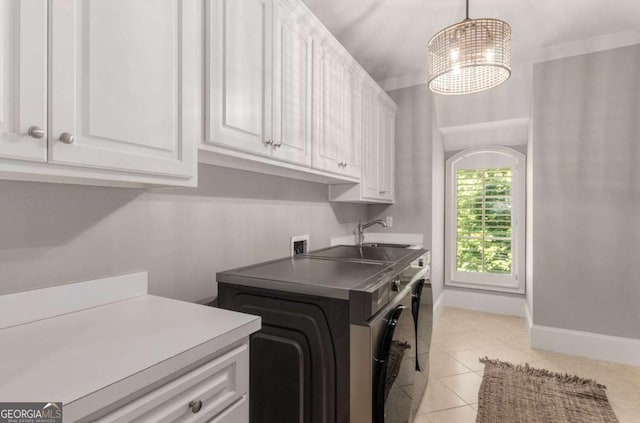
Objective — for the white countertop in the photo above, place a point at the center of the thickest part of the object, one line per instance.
(68, 357)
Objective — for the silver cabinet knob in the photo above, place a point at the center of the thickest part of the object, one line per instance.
(268, 142)
(36, 132)
(383, 192)
(195, 406)
(278, 145)
(66, 138)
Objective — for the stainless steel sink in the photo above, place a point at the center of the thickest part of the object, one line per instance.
(367, 253)
(384, 245)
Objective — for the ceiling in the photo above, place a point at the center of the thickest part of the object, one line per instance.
(389, 37)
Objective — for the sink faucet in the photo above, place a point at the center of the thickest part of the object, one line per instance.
(362, 227)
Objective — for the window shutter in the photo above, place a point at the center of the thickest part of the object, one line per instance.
(484, 226)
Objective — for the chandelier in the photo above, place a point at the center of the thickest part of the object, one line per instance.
(470, 56)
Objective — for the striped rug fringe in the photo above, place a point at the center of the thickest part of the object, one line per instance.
(527, 369)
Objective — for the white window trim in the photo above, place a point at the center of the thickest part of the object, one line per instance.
(487, 157)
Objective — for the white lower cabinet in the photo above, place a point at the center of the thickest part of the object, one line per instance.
(217, 391)
(236, 413)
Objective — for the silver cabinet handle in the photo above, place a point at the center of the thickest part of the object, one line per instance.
(195, 406)
(268, 142)
(278, 145)
(36, 132)
(66, 138)
(383, 192)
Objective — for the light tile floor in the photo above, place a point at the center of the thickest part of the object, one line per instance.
(461, 336)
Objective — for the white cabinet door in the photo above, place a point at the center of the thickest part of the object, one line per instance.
(349, 149)
(338, 107)
(125, 85)
(370, 144)
(23, 78)
(292, 86)
(328, 90)
(239, 74)
(387, 152)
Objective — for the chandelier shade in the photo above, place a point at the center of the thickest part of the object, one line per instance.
(470, 56)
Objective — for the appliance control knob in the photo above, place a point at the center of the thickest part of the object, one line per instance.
(395, 285)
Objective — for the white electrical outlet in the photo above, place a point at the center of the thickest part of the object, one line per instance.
(299, 244)
(389, 221)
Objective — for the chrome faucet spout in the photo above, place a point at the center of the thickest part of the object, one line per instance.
(361, 227)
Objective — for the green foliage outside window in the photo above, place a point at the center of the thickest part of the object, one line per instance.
(484, 235)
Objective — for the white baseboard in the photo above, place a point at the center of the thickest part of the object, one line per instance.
(484, 301)
(586, 344)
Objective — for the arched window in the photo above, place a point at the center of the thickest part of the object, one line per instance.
(485, 219)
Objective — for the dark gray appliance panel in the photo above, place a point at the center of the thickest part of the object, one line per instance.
(300, 357)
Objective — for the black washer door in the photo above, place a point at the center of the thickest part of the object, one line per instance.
(393, 384)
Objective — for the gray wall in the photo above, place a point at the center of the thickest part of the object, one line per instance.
(55, 234)
(510, 100)
(586, 192)
(412, 211)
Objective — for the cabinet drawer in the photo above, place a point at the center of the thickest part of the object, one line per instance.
(217, 384)
(238, 412)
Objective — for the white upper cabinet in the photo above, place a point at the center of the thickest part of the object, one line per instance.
(238, 74)
(23, 79)
(371, 152)
(117, 93)
(283, 97)
(350, 149)
(124, 94)
(336, 144)
(292, 89)
(100, 92)
(387, 150)
(377, 125)
(259, 80)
